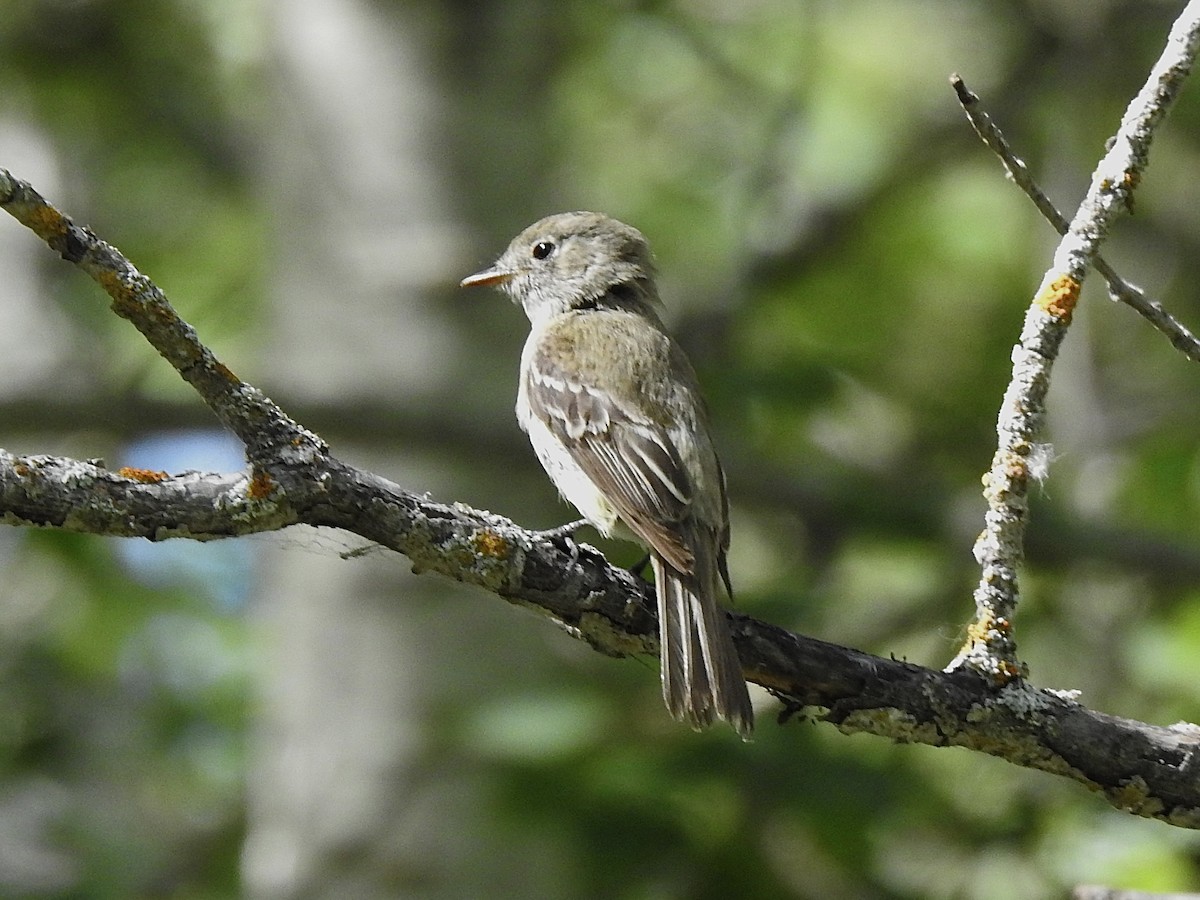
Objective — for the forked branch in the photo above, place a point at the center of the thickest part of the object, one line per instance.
(292, 478)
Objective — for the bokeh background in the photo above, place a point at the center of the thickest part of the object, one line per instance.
(846, 265)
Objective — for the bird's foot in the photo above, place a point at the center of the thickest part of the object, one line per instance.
(562, 532)
(563, 536)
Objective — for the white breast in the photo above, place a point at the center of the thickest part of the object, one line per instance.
(571, 481)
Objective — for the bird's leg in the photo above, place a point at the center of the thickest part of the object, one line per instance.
(562, 531)
(560, 536)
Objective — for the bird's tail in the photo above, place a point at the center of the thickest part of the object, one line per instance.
(701, 673)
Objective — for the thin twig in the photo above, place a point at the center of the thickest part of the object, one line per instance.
(242, 408)
(1118, 288)
(991, 648)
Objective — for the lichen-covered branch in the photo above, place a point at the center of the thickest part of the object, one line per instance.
(1118, 288)
(292, 478)
(1144, 769)
(243, 409)
(990, 649)
(51, 492)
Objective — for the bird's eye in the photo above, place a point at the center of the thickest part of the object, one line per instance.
(542, 249)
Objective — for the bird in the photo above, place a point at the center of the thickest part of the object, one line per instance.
(614, 412)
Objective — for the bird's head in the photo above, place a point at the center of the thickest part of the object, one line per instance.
(572, 261)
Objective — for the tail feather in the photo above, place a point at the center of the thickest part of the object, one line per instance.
(701, 674)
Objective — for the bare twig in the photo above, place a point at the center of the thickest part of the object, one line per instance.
(991, 648)
(243, 409)
(1119, 289)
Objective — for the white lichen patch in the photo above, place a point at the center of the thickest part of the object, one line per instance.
(600, 632)
(1071, 695)
(1022, 699)
(896, 724)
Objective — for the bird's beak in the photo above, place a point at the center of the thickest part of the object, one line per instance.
(491, 275)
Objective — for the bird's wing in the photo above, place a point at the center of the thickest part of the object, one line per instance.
(628, 457)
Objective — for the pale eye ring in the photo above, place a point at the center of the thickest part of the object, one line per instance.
(542, 249)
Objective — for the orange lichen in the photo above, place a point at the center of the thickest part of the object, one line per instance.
(1016, 469)
(145, 476)
(122, 300)
(982, 633)
(46, 222)
(1059, 297)
(261, 485)
(489, 543)
(1006, 673)
(977, 632)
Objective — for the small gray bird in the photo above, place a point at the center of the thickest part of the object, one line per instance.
(614, 413)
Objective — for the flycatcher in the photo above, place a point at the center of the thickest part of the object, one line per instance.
(614, 413)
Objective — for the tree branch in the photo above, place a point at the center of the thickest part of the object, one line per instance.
(1145, 769)
(991, 648)
(831, 508)
(1118, 288)
(243, 409)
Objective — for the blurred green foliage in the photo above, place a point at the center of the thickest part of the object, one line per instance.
(849, 270)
